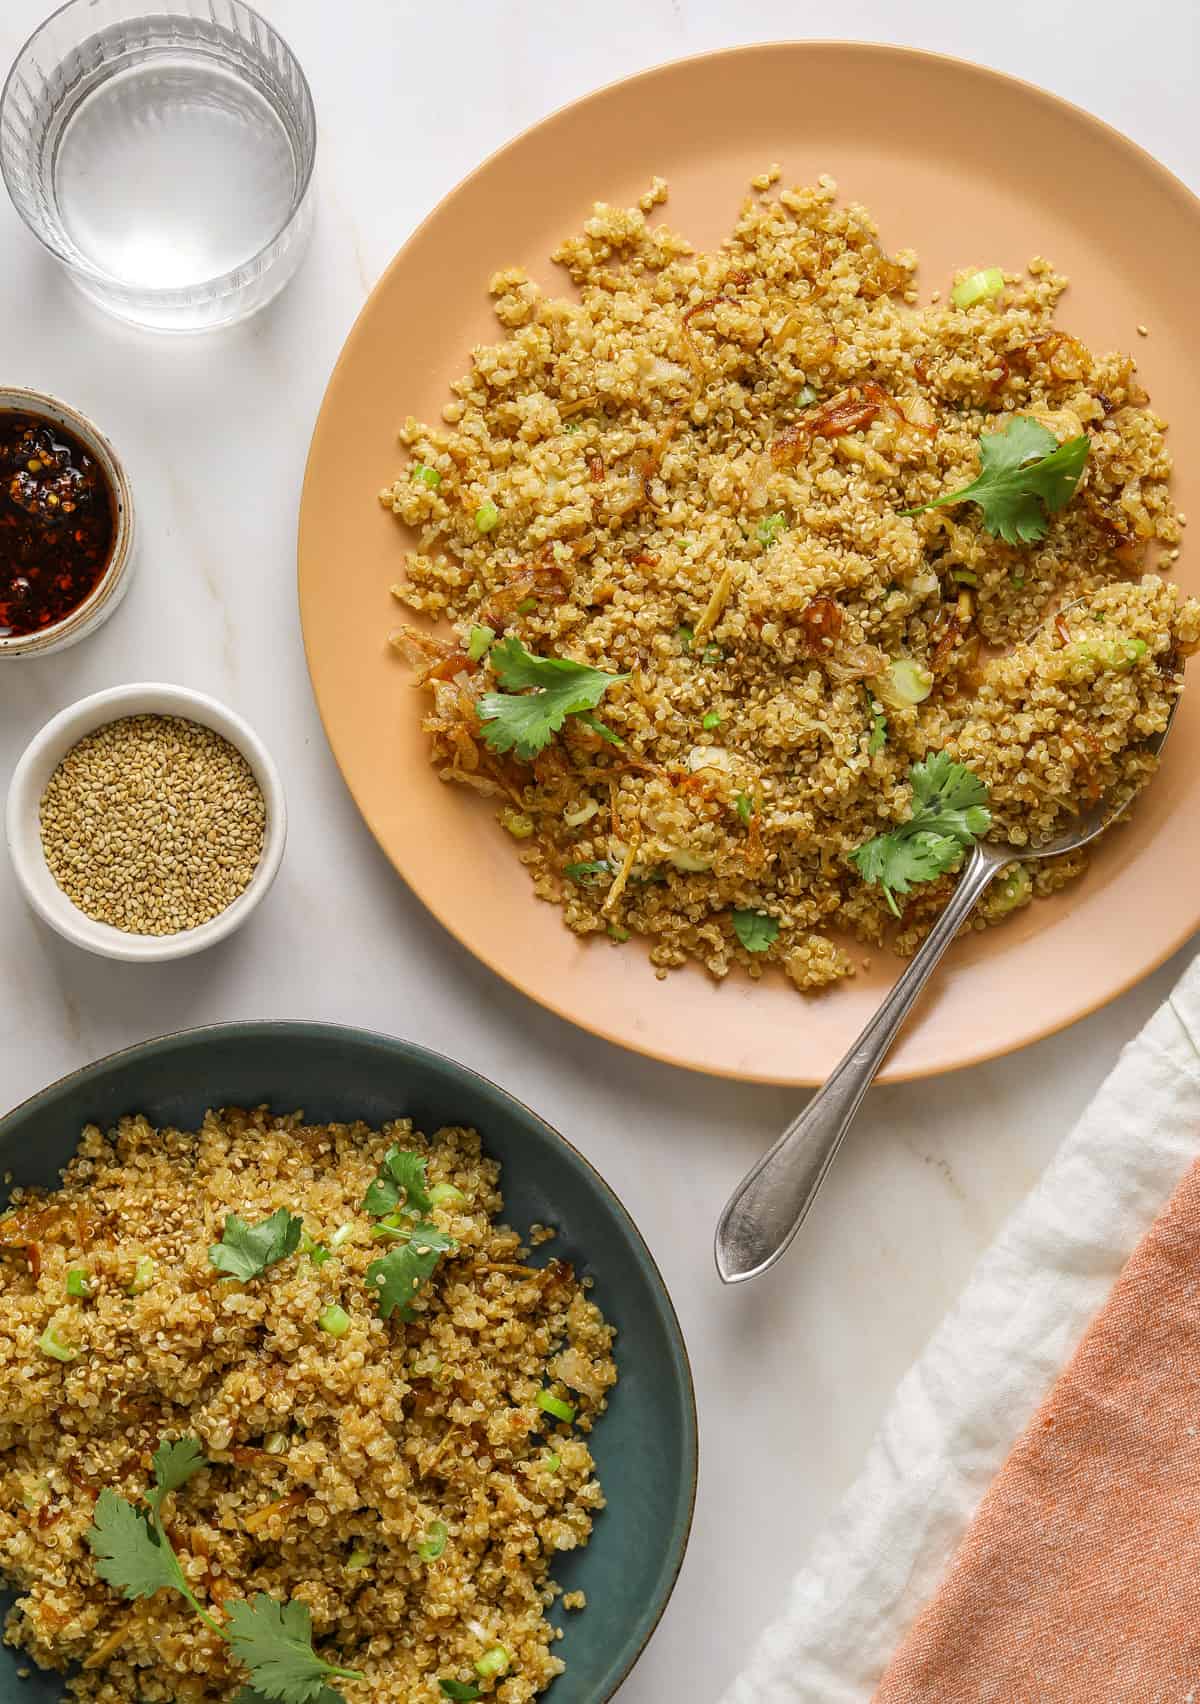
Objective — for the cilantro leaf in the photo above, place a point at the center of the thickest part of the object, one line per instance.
(174, 1465)
(382, 1197)
(245, 1251)
(250, 1695)
(952, 793)
(274, 1640)
(1025, 475)
(400, 1183)
(898, 862)
(599, 870)
(592, 721)
(591, 873)
(402, 1271)
(464, 1692)
(129, 1553)
(755, 930)
(949, 814)
(523, 720)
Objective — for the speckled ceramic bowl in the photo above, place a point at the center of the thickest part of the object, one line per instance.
(645, 1446)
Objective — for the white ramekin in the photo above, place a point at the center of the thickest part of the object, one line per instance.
(112, 585)
(43, 755)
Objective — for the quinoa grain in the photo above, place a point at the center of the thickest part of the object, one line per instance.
(703, 467)
(320, 1447)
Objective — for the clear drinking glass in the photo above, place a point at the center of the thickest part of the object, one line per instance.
(165, 158)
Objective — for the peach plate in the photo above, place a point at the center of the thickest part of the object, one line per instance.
(964, 165)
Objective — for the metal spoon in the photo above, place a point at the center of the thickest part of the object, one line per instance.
(772, 1201)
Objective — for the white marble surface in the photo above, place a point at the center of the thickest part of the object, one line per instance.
(793, 1373)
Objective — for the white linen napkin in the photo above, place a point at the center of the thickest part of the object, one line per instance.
(961, 1407)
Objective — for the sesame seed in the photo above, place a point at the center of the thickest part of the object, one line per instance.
(153, 824)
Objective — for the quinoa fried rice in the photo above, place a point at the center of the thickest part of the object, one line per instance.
(323, 1449)
(698, 470)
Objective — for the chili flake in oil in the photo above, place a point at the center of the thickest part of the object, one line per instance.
(57, 523)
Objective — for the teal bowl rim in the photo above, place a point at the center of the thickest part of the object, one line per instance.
(302, 1028)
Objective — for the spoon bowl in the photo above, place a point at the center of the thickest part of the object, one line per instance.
(768, 1207)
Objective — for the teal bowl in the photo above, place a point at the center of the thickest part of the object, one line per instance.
(645, 1447)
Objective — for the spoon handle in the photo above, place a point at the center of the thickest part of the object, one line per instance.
(772, 1201)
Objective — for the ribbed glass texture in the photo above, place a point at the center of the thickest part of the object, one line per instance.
(165, 157)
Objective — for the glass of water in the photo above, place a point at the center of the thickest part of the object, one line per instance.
(165, 157)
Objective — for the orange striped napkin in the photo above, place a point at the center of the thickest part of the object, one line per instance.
(957, 1568)
(1078, 1581)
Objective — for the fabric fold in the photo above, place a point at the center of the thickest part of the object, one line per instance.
(976, 1387)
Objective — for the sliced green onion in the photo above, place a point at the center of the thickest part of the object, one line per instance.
(427, 475)
(711, 721)
(517, 823)
(551, 1404)
(806, 396)
(434, 1541)
(744, 806)
(276, 1443)
(616, 933)
(445, 1195)
(527, 606)
(769, 529)
(480, 643)
(316, 1252)
(334, 1320)
(1119, 654)
(977, 287)
(586, 811)
(34, 1492)
(964, 576)
(573, 426)
(78, 1283)
(1013, 889)
(495, 1661)
(687, 861)
(357, 1559)
(879, 727)
(341, 1236)
(50, 1343)
(460, 1690)
(487, 518)
(685, 636)
(551, 1463)
(713, 653)
(145, 1270)
(1017, 579)
(906, 682)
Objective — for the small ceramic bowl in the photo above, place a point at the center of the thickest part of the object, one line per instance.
(43, 755)
(112, 585)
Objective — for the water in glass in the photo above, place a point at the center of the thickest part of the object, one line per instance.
(165, 157)
(173, 172)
